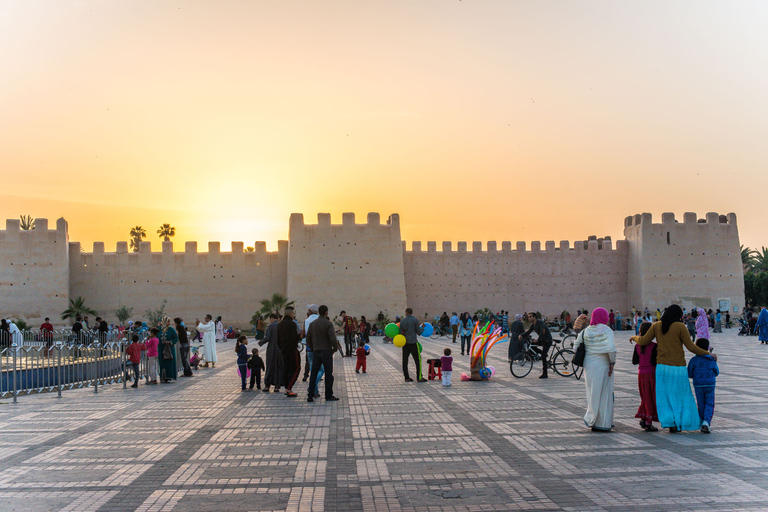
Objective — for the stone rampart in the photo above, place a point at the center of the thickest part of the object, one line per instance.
(364, 269)
(230, 284)
(548, 279)
(696, 262)
(355, 267)
(34, 276)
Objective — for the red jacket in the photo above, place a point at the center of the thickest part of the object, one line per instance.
(134, 351)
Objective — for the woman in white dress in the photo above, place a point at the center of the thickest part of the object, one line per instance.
(208, 328)
(600, 356)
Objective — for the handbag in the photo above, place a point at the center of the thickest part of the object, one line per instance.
(581, 351)
(167, 351)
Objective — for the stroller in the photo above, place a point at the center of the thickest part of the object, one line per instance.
(744, 328)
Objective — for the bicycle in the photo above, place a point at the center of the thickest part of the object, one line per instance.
(440, 331)
(559, 360)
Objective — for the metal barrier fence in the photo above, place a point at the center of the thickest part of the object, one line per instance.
(44, 366)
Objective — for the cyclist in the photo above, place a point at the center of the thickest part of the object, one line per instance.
(544, 341)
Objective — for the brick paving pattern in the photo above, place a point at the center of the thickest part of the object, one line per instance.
(506, 444)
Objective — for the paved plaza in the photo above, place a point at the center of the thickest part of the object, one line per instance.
(507, 444)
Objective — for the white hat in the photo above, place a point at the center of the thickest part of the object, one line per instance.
(313, 308)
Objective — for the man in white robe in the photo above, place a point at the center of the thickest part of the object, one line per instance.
(208, 328)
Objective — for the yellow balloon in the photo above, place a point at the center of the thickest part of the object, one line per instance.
(399, 340)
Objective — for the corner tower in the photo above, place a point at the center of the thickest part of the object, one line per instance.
(696, 262)
(352, 267)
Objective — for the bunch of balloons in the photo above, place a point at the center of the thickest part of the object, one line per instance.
(483, 339)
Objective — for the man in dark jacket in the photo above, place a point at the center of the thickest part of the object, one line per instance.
(288, 341)
(544, 341)
(410, 328)
(321, 340)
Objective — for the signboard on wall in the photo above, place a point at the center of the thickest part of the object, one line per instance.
(724, 304)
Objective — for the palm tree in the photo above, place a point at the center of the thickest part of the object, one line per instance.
(27, 222)
(760, 260)
(275, 304)
(747, 259)
(249, 249)
(77, 307)
(166, 231)
(137, 234)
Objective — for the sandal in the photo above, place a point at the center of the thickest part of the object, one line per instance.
(651, 428)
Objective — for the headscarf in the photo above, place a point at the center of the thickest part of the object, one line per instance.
(518, 317)
(672, 314)
(599, 316)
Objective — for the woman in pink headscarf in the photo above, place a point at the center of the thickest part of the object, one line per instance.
(600, 356)
(702, 325)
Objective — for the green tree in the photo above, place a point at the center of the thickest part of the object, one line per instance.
(138, 233)
(166, 231)
(27, 222)
(249, 249)
(275, 304)
(155, 315)
(77, 307)
(747, 259)
(760, 260)
(123, 313)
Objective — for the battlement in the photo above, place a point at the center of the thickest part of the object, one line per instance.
(712, 218)
(593, 244)
(14, 233)
(145, 248)
(347, 221)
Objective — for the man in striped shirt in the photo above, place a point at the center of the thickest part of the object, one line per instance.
(581, 322)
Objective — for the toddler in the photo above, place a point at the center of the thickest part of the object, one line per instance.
(256, 364)
(134, 351)
(704, 371)
(446, 367)
(645, 357)
(152, 343)
(361, 355)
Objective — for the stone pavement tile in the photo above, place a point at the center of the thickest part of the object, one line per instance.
(504, 444)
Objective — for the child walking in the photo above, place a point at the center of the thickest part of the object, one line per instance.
(446, 367)
(134, 351)
(152, 343)
(361, 355)
(241, 348)
(256, 364)
(645, 358)
(704, 371)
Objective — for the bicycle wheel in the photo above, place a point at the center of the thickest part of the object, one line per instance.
(521, 365)
(435, 334)
(569, 341)
(561, 363)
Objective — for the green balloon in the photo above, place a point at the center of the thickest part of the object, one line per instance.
(391, 330)
(420, 347)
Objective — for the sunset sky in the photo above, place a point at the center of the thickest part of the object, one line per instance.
(475, 120)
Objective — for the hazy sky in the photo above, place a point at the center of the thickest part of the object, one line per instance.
(475, 120)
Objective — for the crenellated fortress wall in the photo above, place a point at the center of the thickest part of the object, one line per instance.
(365, 268)
(229, 284)
(34, 270)
(548, 279)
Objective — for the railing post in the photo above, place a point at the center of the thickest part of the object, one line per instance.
(96, 367)
(58, 368)
(13, 375)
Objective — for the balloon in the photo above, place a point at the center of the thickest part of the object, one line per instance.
(420, 347)
(485, 373)
(493, 370)
(391, 330)
(367, 348)
(428, 330)
(464, 376)
(399, 340)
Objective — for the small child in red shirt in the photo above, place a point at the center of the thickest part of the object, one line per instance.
(152, 344)
(361, 354)
(134, 351)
